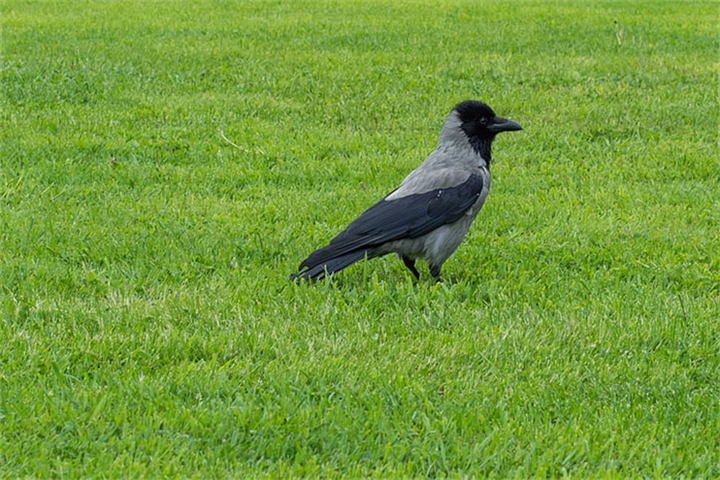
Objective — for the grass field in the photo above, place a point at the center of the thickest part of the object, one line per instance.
(148, 327)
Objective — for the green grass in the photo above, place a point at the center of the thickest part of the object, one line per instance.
(148, 328)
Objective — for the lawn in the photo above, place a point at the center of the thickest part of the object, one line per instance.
(164, 167)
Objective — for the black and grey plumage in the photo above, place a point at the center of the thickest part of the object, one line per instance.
(428, 215)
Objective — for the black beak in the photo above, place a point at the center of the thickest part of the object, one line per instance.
(503, 125)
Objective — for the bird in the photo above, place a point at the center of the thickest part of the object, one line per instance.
(429, 214)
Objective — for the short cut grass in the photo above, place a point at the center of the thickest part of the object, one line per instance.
(164, 166)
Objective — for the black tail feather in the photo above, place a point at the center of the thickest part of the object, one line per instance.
(331, 266)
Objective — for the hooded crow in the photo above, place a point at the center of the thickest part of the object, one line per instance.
(428, 215)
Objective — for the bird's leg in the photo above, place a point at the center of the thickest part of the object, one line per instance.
(435, 271)
(410, 264)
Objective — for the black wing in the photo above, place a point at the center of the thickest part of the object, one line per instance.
(408, 217)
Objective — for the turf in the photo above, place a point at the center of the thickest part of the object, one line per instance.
(166, 165)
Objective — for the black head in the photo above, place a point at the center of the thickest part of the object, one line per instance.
(479, 120)
(480, 124)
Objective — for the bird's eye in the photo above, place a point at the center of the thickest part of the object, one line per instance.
(483, 121)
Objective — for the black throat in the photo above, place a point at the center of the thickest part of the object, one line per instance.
(482, 147)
